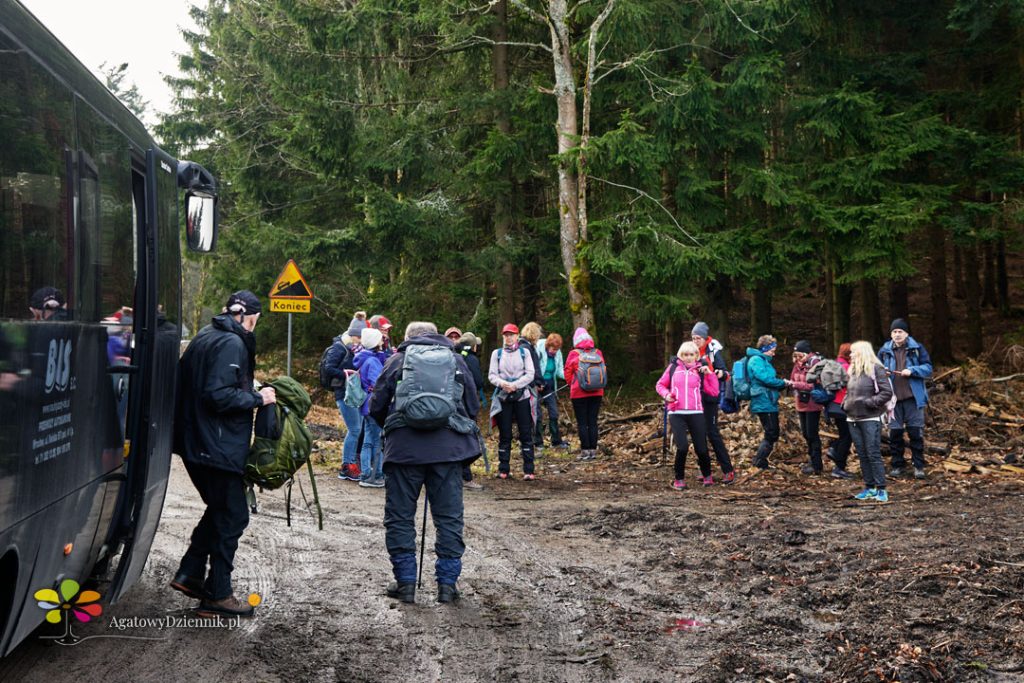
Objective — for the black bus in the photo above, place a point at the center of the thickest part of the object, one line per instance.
(90, 323)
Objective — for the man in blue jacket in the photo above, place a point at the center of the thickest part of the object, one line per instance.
(908, 364)
(212, 431)
(415, 458)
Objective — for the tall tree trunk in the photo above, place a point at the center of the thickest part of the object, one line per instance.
(760, 310)
(870, 315)
(958, 273)
(973, 291)
(503, 199)
(899, 299)
(941, 349)
(1002, 279)
(988, 297)
(844, 302)
(718, 313)
(830, 287)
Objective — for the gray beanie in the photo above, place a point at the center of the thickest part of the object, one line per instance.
(701, 329)
(356, 327)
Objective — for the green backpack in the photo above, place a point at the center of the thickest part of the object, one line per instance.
(282, 442)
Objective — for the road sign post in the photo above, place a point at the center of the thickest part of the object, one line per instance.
(290, 294)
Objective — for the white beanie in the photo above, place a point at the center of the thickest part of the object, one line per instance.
(371, 338)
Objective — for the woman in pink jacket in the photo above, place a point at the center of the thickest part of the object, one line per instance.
(807, 410)
(586, 404)
(680, 386)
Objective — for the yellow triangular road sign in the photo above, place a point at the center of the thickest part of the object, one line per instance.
(290, 284)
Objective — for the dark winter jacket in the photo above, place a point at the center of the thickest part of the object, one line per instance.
(339, 359)
(409, 446)
(764, 383)
(862, 401)
(213, 419)
(918, 362)
(472, 362)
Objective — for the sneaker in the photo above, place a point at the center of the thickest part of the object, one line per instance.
(729, 477)
(502, 475)
(867, 494)
(896, 472)
(707, 481)
(538, 448)
(406, 592)
(839, 473)
(919, 473)
(447, 592)
(561, 444)
(809, 469)
(189, 585)
(472, 485)
(372, 483)
(226, 607)
(830, 454)
(762, 464)
(350, 473)
(882, 496)
(679, 484)
(528, 477)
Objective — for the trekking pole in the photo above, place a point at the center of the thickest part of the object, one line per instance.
(423, 539)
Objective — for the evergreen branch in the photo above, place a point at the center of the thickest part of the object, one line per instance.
(660, 205)
(745, 24)
(474, 41)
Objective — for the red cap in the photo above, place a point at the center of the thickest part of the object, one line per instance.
(511, 327)
(450, 330)
(381, 323)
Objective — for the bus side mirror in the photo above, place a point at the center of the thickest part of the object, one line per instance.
(200, 221)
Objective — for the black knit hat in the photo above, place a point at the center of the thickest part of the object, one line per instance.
(802, 346)
(244, 302)
(46, 297)
(900, 324)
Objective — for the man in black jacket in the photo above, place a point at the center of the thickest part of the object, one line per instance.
(414, 458)
(212, 431)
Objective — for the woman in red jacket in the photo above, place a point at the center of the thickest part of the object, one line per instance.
(585, 403)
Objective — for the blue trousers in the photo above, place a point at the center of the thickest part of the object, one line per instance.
(353, 428)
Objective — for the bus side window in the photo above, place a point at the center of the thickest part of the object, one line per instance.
(36, 132)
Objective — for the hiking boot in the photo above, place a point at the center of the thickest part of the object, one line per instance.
(528, 476)
(447, 592)
(867, 494)
(679, 484)
(374, 483)
(839, 473)
(537, 448)
(472, 485)
(406, 592)
(226, 607)
(729, 477)
(882, 496)
(919, 473)
(809, 469)
(761, 464)
(896, 472)
(189, 585)
(560, 444)
(707, 481)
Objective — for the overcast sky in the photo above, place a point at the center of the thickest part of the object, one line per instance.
(143, 33)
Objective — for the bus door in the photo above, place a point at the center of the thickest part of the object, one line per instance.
(158, 341)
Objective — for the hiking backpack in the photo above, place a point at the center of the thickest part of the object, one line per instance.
(428, 393)
(282, 442)
(741, 387)
(591, 373)
(830, 374)
(890, 406)
(326, 381)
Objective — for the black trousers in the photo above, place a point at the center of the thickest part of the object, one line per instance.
(215, 538)
(840, 448)
(696, 426)
(810, 425)
(715, 435)
(402, 485)
(520, 413)
(770, 425)
(586, 410)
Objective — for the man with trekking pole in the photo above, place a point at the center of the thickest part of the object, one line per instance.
(426, 402)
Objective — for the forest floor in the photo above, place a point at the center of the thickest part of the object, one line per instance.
(600, 572)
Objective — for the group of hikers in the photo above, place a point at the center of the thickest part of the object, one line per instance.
(411, 414)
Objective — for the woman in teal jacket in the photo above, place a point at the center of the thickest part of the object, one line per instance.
(764, 394)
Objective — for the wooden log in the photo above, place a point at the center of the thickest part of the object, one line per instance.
(958, 467)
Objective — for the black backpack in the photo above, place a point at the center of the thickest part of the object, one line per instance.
(326, 381)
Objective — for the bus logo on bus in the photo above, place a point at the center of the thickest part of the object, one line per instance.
(58, 365)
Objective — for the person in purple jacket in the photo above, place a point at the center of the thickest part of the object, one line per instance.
(368, 363)
(681, 386)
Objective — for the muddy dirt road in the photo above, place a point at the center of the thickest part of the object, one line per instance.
(583, 577)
